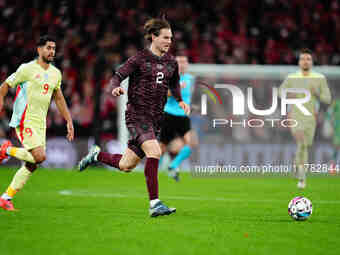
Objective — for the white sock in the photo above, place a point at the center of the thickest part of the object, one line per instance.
(6, 197)
(153, 202)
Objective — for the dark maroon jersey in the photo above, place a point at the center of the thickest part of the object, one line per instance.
(150, 77)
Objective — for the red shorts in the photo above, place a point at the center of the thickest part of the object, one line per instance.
(139, 132)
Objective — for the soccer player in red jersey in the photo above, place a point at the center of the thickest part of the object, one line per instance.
(151, 73)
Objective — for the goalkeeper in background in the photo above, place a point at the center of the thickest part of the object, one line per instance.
(304, 131)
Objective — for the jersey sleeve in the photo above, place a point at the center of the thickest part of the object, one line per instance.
(18, 77)
(174, 85)
(124, 71)
(58, 86)
(127, 68)
(325, 93)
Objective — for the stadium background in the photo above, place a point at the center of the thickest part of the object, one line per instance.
(94, 37)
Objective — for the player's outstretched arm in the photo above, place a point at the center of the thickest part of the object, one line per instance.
(3, 92)
(63, 109)
(175, 90)
(123, 71)
(174, 86)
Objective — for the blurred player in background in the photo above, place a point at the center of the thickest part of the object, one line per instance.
(36, 83)
(176, 126)
(304, 132)
(333, 115)
(151, 73)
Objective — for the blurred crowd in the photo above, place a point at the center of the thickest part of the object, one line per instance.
(94, 37)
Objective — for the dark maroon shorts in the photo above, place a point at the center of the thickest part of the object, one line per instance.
(139, 132)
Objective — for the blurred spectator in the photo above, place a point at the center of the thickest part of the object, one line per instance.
(225, 32)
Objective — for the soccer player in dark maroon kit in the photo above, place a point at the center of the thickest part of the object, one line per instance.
(151, 73)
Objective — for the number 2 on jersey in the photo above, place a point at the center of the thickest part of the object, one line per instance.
(160, 77)
(46, 87)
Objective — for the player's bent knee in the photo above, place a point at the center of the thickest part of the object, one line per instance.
(191, 139)
(39, 158)
(154, 154)
(126, 167)
(152, 149)
(176, 145)
(39, 155)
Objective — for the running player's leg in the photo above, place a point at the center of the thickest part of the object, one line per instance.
(168, 133)
(304, 140)
(300, 155)
(164, 149)
(21, 177)
(31, 138)
(190, 139)
(174, 149)
(34, 142)
(129, 160)
(183, 129)
(175, 146)
(308, 142)
(146, 140)
(7, 149)
(124, 162)
(152, 151)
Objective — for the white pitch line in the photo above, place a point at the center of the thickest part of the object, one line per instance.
(118, 195)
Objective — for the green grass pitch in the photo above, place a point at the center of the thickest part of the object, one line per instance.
(103, 212)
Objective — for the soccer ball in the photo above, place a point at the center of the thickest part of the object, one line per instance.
(300, 208)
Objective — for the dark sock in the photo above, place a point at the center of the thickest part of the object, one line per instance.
(109, 159)
(151, 176)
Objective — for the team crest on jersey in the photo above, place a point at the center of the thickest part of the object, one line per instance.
(159, 66)
(145, 127)
(37, 76)
(46, 77)
(170, 69)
